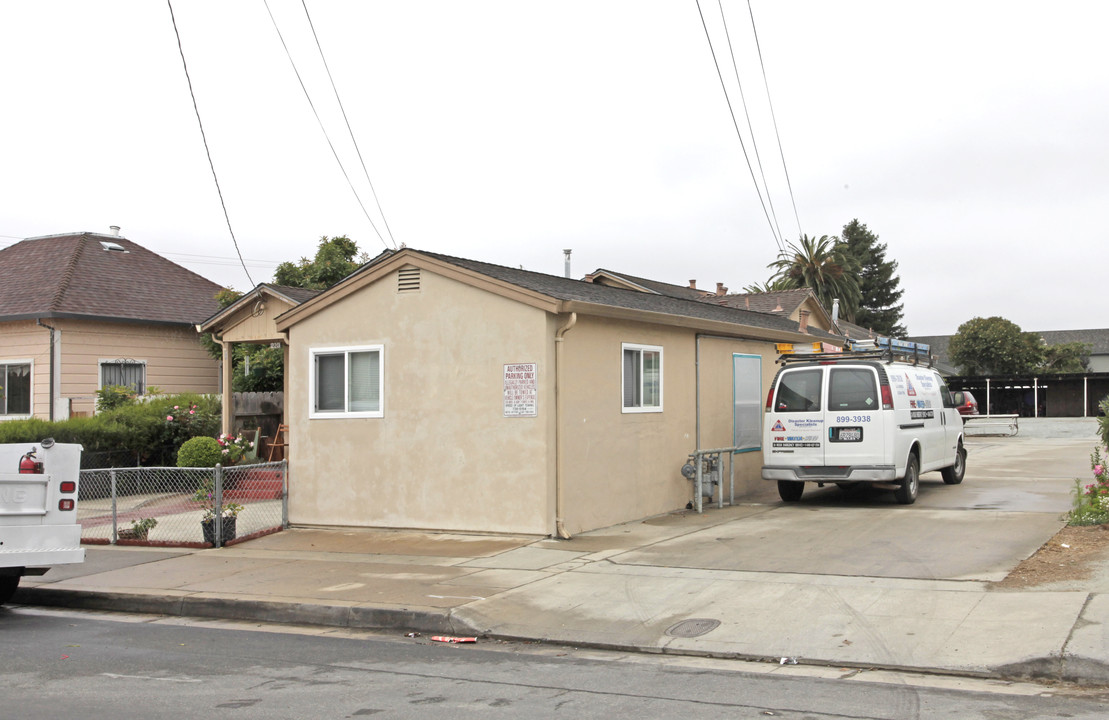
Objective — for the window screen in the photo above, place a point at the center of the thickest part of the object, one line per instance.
(747, 399)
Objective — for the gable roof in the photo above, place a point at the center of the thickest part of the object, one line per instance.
(84, 275)
(292, 295)
(559, 294)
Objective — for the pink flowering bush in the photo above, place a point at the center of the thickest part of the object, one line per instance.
(233, 447)
(1091, 500)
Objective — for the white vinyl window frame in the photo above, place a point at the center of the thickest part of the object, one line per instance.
(102, 381)
(5, 400)
(346, 382)
(641, 373)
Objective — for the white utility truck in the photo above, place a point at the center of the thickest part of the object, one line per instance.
(38, 510)
(876, 417)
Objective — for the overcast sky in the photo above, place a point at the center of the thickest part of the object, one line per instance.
(971, 137)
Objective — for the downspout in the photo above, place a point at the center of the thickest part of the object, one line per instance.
(560, 529)
(52, 330)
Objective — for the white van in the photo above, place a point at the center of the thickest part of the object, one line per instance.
(859, 417)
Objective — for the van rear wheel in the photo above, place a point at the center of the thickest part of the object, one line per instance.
(8, 584)
(790, 491)
(954, 475)
(906, 492)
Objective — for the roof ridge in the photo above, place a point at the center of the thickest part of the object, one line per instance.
(67, 275)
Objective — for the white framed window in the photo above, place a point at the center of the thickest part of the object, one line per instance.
(123, 372)
(15, 388)
(347, 382)
(641, 378)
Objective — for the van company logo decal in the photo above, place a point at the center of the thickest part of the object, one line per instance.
(778, 427)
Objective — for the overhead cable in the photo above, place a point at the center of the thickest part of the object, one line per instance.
(750, 127)
(322, 128)
(735, 124)
(781, 152)
(203, 137)
(357, 149)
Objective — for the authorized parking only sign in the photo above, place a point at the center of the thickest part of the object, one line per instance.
(521, 390)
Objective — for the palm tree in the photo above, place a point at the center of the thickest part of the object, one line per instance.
(821, 265)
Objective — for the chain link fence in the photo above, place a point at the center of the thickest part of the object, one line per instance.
(191, 507)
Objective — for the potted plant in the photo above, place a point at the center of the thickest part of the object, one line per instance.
(139, 529)
(228, 512)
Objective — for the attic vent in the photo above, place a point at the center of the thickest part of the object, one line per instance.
(408, 280)
(114, 247)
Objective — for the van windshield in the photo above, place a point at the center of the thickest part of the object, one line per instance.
(852, 389)
(799, 391)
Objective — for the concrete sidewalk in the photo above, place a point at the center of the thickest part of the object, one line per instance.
(742, 582)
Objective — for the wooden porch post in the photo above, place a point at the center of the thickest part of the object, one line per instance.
(228, 398)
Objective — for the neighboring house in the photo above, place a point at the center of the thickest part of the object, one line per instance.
(793, 304)
(433, 392)
(82, 311)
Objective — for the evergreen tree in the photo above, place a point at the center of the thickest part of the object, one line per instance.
(879, 308)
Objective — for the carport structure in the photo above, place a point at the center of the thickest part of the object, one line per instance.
(252, 320)
(1066, 395)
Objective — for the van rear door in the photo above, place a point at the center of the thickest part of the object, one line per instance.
(855, 421)
(795, 424)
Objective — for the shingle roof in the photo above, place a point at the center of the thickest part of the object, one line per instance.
(778, 301)
(74, 275)
(296, 294)
(569, 289)
(678, 291)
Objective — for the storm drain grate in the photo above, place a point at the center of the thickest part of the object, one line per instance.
(694, 627)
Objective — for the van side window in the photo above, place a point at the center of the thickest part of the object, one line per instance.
(950, 399)
(853, 389)
(799, 391)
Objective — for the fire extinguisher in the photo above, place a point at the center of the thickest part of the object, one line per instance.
(28, 465)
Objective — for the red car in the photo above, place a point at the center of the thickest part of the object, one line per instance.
(965, 402)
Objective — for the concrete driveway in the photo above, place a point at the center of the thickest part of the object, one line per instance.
(1014, 497)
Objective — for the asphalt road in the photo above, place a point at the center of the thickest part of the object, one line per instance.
(72, 664)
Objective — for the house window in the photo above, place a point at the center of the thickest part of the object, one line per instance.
(747, 402)
(15, 388)
(346, 382)
(124, 373)
(642, 378)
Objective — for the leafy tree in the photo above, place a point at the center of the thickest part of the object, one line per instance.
(1073, 357)
(879, 307)
(995, 346)
(335, 259)
(766, 287)
(823, 265)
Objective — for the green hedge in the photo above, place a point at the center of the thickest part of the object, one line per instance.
(141, 429)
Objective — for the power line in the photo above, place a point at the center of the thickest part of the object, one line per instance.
(747, 114)
(204, 137)
(357, 149)
(735, 124)
(781, 152)
(322, 128)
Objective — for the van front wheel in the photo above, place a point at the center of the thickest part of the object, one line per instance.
(954, 475)
(906, 493)
(790, 491)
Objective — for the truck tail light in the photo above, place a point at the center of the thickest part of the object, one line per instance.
(769, 398)
(66, 504)
(887, 398)
(68, 486)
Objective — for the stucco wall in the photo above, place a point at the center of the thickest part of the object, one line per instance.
(443, 456)
(623, 466)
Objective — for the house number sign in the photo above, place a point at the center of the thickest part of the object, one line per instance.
(521, 390)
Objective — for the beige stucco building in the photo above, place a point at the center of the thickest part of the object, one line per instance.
(82, 311)
(438, 393)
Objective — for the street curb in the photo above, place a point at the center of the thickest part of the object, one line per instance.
(1069, 668)
(288, 613)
